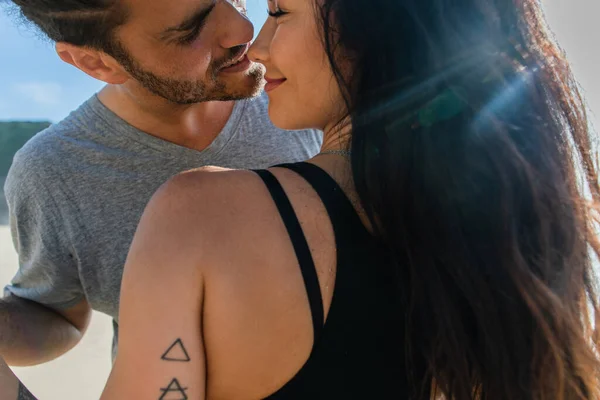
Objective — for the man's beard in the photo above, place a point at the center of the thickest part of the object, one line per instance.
(193, 91)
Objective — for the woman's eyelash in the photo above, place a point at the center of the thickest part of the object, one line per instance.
(276, 14)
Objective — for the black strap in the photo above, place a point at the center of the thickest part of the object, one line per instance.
(343, 215)
(307, 265)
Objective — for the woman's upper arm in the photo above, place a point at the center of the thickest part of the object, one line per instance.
(160, 354)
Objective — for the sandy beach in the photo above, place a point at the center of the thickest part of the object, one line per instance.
(79, 374)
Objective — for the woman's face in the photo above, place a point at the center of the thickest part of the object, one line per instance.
(302, 89)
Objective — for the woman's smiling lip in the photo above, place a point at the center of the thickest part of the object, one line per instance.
(273, 83)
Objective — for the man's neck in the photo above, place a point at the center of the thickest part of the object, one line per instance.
(194, 126)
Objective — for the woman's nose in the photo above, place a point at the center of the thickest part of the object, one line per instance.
(259, 51)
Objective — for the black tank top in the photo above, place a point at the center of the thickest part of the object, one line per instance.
(358, 351)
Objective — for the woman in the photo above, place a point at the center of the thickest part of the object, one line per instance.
(438, 247)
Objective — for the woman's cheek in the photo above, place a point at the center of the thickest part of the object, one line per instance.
(280, 47)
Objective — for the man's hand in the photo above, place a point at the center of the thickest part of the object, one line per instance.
(32, 334)
(10, 386)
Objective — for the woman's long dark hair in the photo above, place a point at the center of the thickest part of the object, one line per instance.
(472, 157)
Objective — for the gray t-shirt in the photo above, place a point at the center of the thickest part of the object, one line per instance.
(77, 190)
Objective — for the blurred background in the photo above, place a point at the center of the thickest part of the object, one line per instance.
(37, 89)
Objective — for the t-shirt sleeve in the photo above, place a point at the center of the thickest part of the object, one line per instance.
(47, 273)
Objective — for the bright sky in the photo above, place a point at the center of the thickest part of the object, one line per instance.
(36, 84)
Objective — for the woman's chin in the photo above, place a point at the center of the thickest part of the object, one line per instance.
(286, 119)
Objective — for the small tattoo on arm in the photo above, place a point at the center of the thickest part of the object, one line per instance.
(24, 394)
(174, 391)
(176, 352)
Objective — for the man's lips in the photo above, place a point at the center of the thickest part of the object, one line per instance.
(241, 58)
(272, 84)
(241, 65)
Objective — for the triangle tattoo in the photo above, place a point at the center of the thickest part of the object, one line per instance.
(174, 391)
(176, 352)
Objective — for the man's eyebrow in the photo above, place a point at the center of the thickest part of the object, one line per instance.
(196, 19)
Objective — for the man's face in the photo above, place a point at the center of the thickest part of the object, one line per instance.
(183, 50)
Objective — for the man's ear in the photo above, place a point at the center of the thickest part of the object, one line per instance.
(95, 63)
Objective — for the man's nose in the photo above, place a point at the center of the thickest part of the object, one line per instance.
(236, 28)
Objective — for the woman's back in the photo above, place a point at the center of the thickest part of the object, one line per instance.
(257, 303)
(358, 351)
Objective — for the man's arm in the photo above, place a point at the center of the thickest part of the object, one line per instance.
(32, 334)
(10, 386)
(31, 331)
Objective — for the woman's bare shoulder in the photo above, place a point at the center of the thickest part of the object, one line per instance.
(199, 208)
(209, 190)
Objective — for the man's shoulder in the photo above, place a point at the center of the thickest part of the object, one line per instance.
(49, 150)
(45, 148)
(56, 144)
